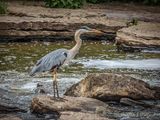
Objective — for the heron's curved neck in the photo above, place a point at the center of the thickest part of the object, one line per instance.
(78, 41)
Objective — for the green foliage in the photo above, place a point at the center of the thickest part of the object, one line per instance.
(148, 2)
(97, 1)
(151, 2)
(3, 7)
(64, 3)
(79, 3)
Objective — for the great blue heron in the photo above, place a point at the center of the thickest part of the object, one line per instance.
(55, 59)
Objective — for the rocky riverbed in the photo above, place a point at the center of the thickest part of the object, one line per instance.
(104, 87)
(18, 88)
(28, 22)
(130, 78)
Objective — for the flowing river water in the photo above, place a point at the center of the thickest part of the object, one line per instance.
(17, 59)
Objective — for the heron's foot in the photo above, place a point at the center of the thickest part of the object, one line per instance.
(60, 99)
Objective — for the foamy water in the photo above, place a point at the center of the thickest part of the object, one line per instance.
(146, 64)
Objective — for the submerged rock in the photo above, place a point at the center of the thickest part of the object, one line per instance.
(139, 36)
(107, 86)
(131, 102)
(11, 102)
(40, 89)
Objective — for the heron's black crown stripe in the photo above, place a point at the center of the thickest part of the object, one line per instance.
(85, 27)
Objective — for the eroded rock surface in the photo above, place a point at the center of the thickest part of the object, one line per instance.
(42, 23)
(141, 35)
(107, 86)
(27, 22)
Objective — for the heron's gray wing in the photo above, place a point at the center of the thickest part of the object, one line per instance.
(51, 60)
(54, 59)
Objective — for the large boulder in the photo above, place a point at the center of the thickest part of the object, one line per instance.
(139, 36)
(69, 108)
(108, 86)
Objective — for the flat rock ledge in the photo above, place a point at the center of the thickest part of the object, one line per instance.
(139, 36)
(108, 86)
(69, 108)
(27, 23)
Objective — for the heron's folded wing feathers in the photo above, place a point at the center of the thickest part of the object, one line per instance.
(50, 61)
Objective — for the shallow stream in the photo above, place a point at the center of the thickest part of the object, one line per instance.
(17, 59)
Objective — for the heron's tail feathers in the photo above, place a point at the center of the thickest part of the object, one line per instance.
(34, 70)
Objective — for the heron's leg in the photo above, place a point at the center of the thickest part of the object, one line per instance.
(56, 85)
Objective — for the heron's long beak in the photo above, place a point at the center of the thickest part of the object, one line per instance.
(97, 31)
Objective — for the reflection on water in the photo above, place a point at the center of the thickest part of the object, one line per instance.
(93, 57)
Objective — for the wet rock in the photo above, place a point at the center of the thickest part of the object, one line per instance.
(107, 86)
(121, 112)
(9, 117)
(67, 106)
(10, 102)
(139, 36)
(7, 108)
(131, 102)
(40, 89)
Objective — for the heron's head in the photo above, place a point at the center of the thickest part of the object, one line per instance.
(85, 29)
